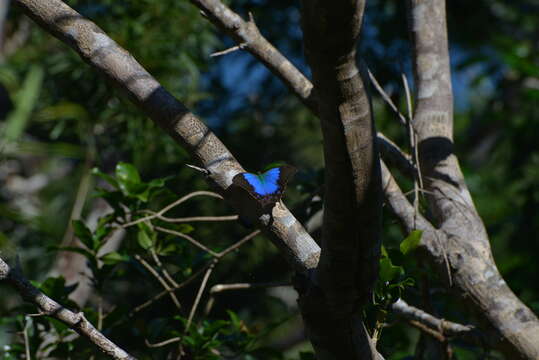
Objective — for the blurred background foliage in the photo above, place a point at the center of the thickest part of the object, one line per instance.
(59, 119)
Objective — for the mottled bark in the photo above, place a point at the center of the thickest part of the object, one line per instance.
(353, 197)
(119, 67)
(466, 242)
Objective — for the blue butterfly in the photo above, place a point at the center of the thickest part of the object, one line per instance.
(267, 188)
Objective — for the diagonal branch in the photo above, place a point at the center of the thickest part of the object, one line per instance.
(440, 326)
(474, 271)
(49, 307)
(248, 37)
(109, 59)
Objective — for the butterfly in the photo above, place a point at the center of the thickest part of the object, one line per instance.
(268, 187)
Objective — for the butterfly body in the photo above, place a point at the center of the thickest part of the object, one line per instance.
(268, 187)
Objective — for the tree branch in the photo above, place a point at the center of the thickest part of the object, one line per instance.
(247, 35)
(352, 203)
(466, 242)
(49, 307)
(109, 59)
(440, 326)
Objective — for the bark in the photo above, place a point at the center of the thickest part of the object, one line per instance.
(353, 196)
(119, 67)
(466, 242)
(49, 307)
(436, 244)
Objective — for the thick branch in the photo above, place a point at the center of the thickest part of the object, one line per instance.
(49, 307)
(466, 242)
(353, 197)
(109, 59)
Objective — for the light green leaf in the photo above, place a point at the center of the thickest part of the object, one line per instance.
(144, 240)
(127, 172)
(114, 257)
(411, 242)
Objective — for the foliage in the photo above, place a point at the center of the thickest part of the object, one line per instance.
(66, 120)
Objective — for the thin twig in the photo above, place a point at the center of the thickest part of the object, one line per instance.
(193, 218)
(413, 145)
(160, 279)
(163, 293)
(188, 238)
(199, 295)
(238, 286)
(238, 244)
(25, 335)
(163, 343)
(386, 97)
(227, 51)
(162, 268)
(394, 155)
(242, 286)
(172, 205)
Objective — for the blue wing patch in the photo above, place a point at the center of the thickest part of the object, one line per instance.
(267, 187)
(264, 184)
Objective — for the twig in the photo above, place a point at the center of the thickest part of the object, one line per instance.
(163, 293)
(49, 307)
(197, 168)
(441, 327)
(194, 218)
(386, 97)
(160, 279)
(238, 286)
(238, 244)
(394, 155)
(199, 295)
(247, 33)
(227, 51)
(163, 343)
(162, 268)
(172, 205)
(413, 145)
(25, 335)
(188, 238)
(242, 286)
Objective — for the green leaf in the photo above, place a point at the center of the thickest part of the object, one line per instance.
(184, 228)
(127, 172)
(234, 318)
(130, 183)
(110, 179)
(114, 257)
(144, 240)
(411, 242)
(83, 233)
(388, 271)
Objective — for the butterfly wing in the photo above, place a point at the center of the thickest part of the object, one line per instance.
(266, 188)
